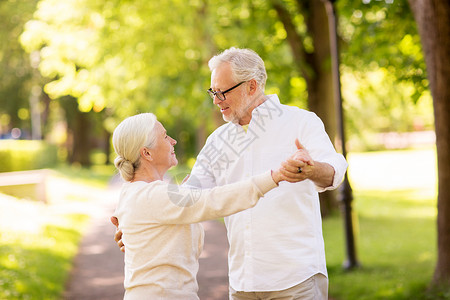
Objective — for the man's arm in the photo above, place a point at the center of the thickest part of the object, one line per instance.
(301, 167)
(319, 146)
(118, 234)
(322, 174)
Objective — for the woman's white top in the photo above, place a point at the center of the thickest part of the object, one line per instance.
(162, 237)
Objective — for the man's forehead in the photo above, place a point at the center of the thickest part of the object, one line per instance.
(221, 76)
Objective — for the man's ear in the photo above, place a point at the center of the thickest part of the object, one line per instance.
(253, 86)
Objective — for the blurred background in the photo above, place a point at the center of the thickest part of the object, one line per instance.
(71, 70)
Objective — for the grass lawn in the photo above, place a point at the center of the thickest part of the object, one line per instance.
(395, 216)
(38, 241)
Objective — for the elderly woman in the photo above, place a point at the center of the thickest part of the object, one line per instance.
(159, 221)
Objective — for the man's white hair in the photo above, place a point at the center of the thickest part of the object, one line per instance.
(245, 64)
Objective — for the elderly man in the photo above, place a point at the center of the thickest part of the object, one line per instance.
(276, 248)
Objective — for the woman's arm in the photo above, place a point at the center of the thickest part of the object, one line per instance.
(170, 204)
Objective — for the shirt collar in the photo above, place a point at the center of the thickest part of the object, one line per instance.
(270, 103)
(269, 109)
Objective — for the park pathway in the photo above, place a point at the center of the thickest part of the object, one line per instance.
(98, 267)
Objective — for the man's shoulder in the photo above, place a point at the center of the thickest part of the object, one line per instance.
(296, 114)
(274, 101)
(296, 109)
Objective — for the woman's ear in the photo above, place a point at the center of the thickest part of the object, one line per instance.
(145, 154)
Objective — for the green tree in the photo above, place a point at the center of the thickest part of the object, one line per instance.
(17, 76)
(384, 80)
(433, 22)
(382, 34)
(125, 57)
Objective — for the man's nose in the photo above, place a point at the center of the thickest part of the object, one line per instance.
(216, 100)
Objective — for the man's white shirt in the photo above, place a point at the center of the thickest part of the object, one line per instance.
(278, 243)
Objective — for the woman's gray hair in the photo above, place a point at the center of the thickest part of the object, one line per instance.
(129, 137)
(245, 64)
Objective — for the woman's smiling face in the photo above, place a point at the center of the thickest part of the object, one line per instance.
(163, 153)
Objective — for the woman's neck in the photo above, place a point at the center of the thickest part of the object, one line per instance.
(148, 174)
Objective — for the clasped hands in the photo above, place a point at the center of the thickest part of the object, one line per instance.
(298, 167)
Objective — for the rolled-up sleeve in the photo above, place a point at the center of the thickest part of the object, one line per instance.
(339, 165)
(319, 146)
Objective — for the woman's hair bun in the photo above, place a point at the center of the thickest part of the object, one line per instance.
(125, 168)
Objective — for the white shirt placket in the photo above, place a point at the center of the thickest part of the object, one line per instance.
(247, 154)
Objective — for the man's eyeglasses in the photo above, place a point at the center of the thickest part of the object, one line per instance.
(221, 95)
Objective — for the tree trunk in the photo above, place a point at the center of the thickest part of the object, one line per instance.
(107, 145)
(432, 17)
(45, 100)
(315, 67)
(320, 93)
(81, 139)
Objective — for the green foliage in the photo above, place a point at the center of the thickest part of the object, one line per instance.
(125, 57)
(384, 82)
(373, 104)
(128, 57)
(20, 155)
(16, 71)
(374, 37)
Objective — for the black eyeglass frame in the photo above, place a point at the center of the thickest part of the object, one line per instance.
(221, 94)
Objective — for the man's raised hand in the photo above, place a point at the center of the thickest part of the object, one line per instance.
(118, 234)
